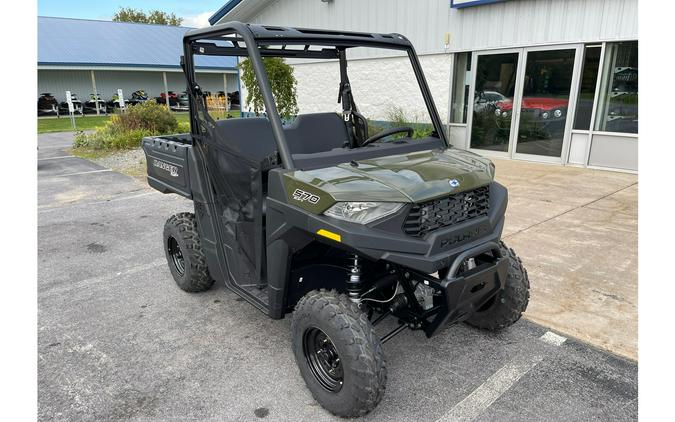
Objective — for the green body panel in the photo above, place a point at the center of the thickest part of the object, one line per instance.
(415, 177)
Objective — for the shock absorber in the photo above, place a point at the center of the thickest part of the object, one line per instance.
(354, 284)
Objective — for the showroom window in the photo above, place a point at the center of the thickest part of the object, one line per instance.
(618, 101)
(589, 79)
(460, 87)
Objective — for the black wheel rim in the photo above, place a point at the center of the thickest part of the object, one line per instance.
(323, 359)
(176, 255)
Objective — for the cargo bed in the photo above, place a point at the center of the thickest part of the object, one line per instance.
(168, 159)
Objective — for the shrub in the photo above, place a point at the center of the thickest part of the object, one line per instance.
(282, 81)
(107, 138)
(396, 115)
(149, 116)
(374, 128)
(126, 130)
(183, 127)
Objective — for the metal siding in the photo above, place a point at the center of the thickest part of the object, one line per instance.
(107, 82)
(424, 26)
(58, 82)
(507, 24)
(535, 22)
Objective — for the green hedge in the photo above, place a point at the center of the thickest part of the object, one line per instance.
(125, 130)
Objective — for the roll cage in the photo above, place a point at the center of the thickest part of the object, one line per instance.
(257, 41)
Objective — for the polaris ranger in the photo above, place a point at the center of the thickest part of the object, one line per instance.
(338, 228)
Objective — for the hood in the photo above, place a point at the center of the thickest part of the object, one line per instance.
(415, 177)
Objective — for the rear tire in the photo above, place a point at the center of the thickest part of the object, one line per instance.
(184, 253)
(339, 356)
(509, 304)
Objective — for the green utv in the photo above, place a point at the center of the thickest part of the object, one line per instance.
(325, 220)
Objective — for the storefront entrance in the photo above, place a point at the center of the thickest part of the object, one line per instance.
(522, 99)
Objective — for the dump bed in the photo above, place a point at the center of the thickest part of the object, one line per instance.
(168, 159)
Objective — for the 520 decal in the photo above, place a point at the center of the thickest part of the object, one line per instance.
(302, 196)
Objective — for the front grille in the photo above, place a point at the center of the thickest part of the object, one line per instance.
(429, 216)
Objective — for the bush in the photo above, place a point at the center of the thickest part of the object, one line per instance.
(398, 118)
(374, 128)
(105, 138)
(126, 130)
(282, 81)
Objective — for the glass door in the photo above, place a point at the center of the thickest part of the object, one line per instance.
(544, 103)
(521, 99)
(492, 99)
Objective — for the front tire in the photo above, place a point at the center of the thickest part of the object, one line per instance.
(509, 304)
(338, 354)
(184, 254)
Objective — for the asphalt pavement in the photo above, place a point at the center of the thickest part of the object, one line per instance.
(117, 340)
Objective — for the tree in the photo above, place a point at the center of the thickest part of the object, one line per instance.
(128, 14)
(282, 81)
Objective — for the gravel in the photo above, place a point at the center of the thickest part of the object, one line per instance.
(131, 162)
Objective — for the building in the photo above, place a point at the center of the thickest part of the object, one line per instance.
(544, 80)
(89, 56)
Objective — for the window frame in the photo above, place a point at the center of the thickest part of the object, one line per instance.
(595, 118)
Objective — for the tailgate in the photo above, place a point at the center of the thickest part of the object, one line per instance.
(167, 163)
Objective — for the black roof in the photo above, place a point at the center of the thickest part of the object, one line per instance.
(279, 35)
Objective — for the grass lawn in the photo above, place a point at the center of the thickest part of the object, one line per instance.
(62, 124)
(50, 124)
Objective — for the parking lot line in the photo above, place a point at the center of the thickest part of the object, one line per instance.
(56, 176)
(67, 287)
(552, 338)
(56, 158)
(48, 208)
(487, 393)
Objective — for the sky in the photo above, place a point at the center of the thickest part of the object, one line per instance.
(195, 13)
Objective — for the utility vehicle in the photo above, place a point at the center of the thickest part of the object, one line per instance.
(318, 219)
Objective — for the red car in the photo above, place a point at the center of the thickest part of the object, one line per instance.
(539, 108)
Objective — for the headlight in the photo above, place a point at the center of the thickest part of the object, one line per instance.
(362, 212)
(557, 113)
(544, 115)
(505, 114)
(498, 112)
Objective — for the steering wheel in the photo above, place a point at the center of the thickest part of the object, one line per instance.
(386, 133)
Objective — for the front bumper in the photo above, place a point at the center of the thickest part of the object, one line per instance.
(458, 296)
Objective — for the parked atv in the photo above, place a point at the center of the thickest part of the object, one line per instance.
(339, 229)
(47, 105)
(77, 105)
(233, 98)
(138, 97)
(93, 103)
(182, 102)
(162, 98)
(114, 102)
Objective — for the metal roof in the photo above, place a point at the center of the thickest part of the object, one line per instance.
(80, 42)
(224, 10)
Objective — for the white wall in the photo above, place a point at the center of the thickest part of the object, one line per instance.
(377, 84)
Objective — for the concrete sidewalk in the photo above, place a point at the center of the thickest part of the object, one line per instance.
(576, 231)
